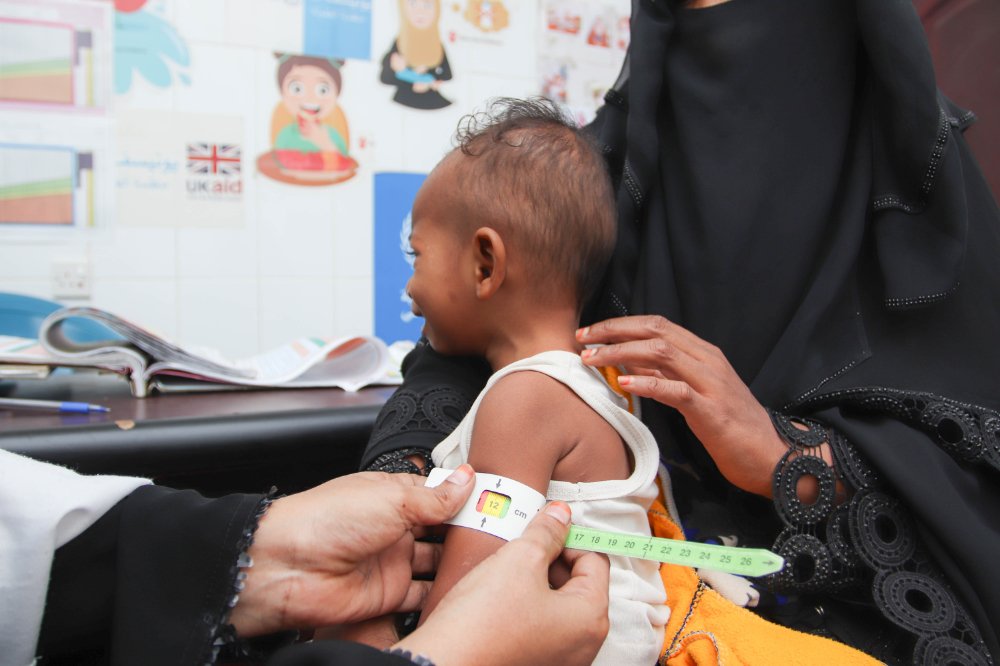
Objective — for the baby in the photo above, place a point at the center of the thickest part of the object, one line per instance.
(511, 232)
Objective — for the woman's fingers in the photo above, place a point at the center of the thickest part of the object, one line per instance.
(415, 596)
(589, 575)
(431, 506)
(425, 557)
(676, 394)
(643, 327)
(639, 370)
(653, 357)
(621, 329)
(548, 530)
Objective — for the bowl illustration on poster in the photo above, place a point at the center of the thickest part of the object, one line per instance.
(309, 132)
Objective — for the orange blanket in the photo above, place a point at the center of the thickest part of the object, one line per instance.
(705, 628)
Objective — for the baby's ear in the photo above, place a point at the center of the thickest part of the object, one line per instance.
(490, 255)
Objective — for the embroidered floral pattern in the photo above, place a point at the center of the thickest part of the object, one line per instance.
(398, 462)
(436, 410)
(868, 543)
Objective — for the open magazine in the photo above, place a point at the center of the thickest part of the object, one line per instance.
(150, 361)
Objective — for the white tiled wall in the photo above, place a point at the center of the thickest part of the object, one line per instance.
(300, 263)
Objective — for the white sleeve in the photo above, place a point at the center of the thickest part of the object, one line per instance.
(42, 507)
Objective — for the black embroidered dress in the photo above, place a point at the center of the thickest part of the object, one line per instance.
(793, 188)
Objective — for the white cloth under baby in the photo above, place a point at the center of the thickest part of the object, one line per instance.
(637, 609)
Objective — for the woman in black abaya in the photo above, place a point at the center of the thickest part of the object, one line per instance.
(796, 199)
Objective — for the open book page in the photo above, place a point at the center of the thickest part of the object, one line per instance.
(342, 362)
(25, 351)
(144, 344)
(349, 362)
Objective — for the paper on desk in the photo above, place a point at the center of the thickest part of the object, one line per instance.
(142, 356)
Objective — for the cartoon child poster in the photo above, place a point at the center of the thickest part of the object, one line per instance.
(417, 63)
(309, 133)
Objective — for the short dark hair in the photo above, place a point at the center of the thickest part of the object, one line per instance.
(538, 178)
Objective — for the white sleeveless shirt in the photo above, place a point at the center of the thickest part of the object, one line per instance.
(637, 608)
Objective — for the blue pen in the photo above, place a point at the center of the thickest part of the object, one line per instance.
(52, 406)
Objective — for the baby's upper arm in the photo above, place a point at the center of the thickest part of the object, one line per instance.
(519, 433)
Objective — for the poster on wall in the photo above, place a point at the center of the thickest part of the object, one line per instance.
(45, 185)
(581, 50)
(416, 63)
(494, 37)
(309, 133)
(55, 56)
(337, 28)
(179, 170)
(55, 89)
(394, 195)
(55, 172)
(147, 46)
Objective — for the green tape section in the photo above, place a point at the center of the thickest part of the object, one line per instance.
(751, 562)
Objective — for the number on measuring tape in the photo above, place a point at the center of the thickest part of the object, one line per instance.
(493, 504)
(503, 507)
(743, 561)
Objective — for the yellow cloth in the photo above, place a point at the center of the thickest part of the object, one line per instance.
(705, 628)
(611, 375)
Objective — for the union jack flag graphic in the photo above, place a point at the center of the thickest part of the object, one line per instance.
(209, 158)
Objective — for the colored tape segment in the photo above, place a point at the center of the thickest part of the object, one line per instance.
(742, 561)
(503, 507)
(499, 506)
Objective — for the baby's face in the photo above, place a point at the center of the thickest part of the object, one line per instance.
(442, 286)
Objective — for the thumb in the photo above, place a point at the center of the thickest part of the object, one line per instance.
(548, 529)
(433, 506)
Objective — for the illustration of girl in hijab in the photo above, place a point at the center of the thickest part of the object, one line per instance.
(308, 128)
(417, 64)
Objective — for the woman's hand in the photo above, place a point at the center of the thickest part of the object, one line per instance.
(345, 551)
(504, 612)
(670, 364)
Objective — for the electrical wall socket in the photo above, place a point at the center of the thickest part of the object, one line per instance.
(71, 279)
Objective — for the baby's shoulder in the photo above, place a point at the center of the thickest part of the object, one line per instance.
(534, 397)
(528, 387)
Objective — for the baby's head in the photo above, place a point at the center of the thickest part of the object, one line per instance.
(526, 177)
(533, 175)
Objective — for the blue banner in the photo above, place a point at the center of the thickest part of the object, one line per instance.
(394, 195)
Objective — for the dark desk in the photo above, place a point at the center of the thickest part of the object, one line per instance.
(215, 442)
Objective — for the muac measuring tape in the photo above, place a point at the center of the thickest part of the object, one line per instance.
(503, 507)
